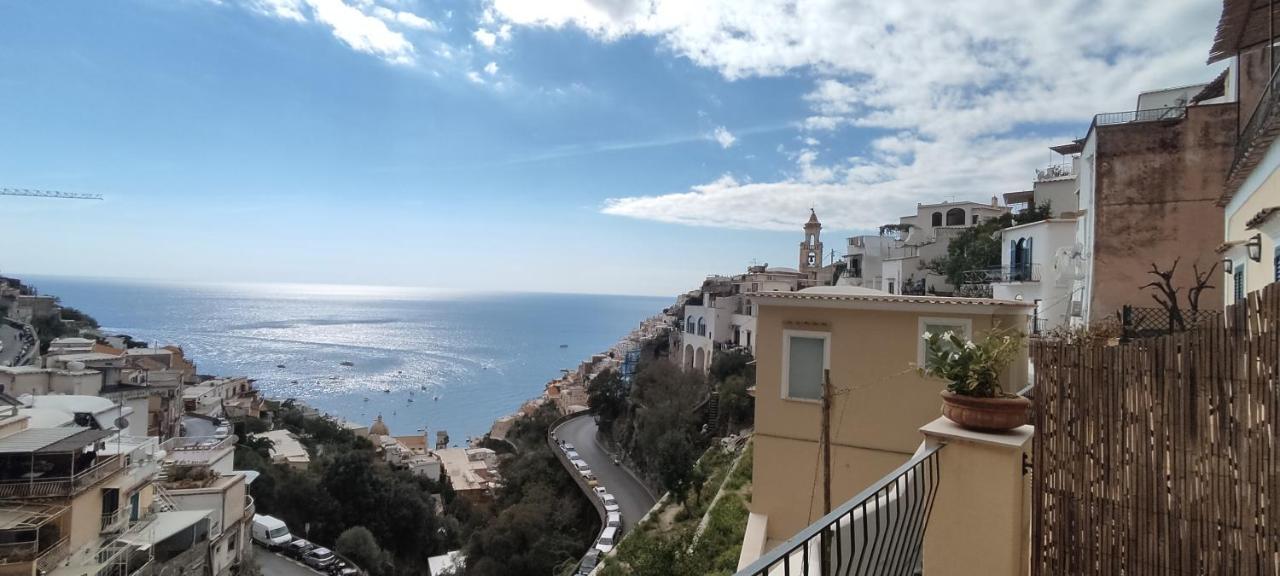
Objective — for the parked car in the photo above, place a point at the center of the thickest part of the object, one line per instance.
(579, 463)
(600, 491)
(572, 455)
(319, 558)
(607, 539)
(568, 447)
(613, 520)
(270, 531)
(297, 548)
(589, 562)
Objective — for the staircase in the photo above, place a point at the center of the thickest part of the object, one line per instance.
(163, 501)
(713, 411)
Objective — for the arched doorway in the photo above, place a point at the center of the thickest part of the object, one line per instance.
(688, 357)
(699, 359)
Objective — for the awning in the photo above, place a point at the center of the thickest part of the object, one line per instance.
(164, 525)
(35, 439)
(78, 441)
(1068, 149)
(1243, 23)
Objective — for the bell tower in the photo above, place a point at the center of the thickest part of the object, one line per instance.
(811, 248)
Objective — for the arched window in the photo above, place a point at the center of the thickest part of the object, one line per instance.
(955, 217)
(937, 219)
(702, 328)
(689, 325)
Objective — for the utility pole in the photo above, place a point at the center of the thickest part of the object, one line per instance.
(827, 534)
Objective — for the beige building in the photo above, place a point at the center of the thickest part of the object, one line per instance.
(870, 342)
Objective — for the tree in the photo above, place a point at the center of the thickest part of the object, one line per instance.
(675, 458)
(979, 247)
(607, 398)
(1166, 294)
(737, 406)
(358, 544)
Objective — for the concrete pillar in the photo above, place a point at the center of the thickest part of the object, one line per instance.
(981, 519)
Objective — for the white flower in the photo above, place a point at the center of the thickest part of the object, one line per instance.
(924, 336)
(969, 345)
(947, 335)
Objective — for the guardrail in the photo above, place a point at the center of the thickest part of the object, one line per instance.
(878, 532)
(573, 471)
(1054, 171)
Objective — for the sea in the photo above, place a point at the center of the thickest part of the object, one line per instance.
(425, 360)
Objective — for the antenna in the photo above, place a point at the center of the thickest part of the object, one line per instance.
(48, 194)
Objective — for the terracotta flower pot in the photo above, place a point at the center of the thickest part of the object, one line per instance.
(987, 414)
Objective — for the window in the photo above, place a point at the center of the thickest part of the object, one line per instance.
(955, 217)
(937, 219)
(690, 326)
(891, 286)
(805, 356)
(961, 326)
(702, 327)
(1239, 282)
(975, 219)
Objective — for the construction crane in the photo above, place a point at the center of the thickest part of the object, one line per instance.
(48, 194)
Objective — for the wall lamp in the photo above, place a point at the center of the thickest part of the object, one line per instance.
(1254, 247)
(1226, 265)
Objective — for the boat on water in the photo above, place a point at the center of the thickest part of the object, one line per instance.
(564, 345)
(347, 363)
(279, 365)
(293, 381)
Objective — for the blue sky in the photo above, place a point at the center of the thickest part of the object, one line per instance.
(614, 146)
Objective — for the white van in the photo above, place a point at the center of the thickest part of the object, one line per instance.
(270, 531)
(607, 540)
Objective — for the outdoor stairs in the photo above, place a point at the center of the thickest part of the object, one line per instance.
(713, 411)
(163, 501)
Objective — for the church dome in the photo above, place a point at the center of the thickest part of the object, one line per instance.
(379, 427)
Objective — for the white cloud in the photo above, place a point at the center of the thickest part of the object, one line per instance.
(285, 9)
(954, 84)
(723, 136)
(491, 68)
(403, 18)
(485, 38)
(475, 77)
(362, 32)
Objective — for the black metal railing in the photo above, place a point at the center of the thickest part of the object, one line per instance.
(1261, 118)
(1054, 171)
(879, 532)
(1148, 322)
(1152, 115)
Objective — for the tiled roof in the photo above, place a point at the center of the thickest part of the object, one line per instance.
(1261, 217)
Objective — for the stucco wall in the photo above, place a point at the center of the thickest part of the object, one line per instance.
(875, 425)
(1155, 200)
(1248, 201)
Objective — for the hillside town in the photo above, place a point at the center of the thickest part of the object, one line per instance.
(1084, 368)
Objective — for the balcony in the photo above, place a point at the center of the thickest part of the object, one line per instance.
(1004, 274)
(39, 485)
(249, 508)
(1256, 136)
(1055, 171)
(879, 531)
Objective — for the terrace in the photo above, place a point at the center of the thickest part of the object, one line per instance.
(55, 462)
(33, 533)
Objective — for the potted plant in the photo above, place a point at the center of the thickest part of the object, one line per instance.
(973, 397)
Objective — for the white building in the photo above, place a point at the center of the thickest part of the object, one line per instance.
(286, 449)
(1033, 269)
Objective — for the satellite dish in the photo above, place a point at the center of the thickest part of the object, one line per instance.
(122, 423)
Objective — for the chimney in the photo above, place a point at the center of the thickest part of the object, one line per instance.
(994, 202)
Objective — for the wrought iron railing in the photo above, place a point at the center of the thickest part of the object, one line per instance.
(1152, 115)
(880, 532)
(1262, 117)
(54, 554)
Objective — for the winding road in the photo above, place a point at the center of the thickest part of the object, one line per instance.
(633, 497)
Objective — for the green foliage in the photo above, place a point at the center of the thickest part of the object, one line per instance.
(74, 315)
(971, 368)
(347, 485)
(540, 521)
(675, 458)
(358, 544)
(607, 398)
(666, 428)
(1034, 213)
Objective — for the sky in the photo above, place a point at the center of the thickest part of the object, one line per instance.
(597, 146)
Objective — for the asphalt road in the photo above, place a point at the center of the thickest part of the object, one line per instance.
(633, 498)
(9, 339)
(276, 565)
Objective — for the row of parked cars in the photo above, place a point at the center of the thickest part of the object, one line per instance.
(26, 341)
(272, 533)
(613, 514)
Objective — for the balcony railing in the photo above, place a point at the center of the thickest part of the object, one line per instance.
(1003, 274)
(113, 521)
(249, 508)
(53, 555)
(61, 486)
(1055, 171)
(879, 532)
(196, 443)
(1152, 115)
(1259, 131)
